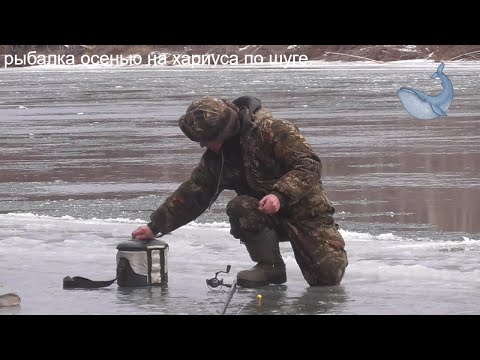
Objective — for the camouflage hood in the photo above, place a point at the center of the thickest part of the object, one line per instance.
(209, 118)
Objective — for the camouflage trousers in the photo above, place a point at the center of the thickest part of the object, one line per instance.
(317, 244)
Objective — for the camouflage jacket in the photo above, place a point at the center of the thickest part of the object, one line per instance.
(267, 156)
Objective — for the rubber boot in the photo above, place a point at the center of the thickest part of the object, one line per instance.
(270, 269)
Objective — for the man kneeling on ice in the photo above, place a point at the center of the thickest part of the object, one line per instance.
(277, 178)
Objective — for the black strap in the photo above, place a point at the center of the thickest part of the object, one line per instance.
(78, 282)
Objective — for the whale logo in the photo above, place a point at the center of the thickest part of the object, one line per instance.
(423, 106)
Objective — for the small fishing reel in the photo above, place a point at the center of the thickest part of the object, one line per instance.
(216, 282)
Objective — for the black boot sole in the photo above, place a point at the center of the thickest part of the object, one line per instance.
(251, 284)
(257, 284)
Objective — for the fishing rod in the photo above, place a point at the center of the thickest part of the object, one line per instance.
(216, 282)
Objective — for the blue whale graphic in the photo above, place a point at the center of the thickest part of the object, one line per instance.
(423, 106)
